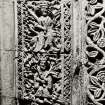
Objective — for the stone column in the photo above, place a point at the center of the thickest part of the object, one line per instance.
(78, 77)
(7, 52)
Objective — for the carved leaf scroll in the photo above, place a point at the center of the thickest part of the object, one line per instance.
(95, 51)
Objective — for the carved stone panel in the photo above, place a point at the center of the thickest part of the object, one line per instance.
(44, 65)
(95, 51)
(60, 52)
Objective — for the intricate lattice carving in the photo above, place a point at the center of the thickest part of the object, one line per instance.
(95, 51)
(68, 51)
(44, 51)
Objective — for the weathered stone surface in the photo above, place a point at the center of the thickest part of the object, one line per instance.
(7, 77)
(7, 53)
(7, 25)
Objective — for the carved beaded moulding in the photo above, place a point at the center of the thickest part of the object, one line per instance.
(44, 74)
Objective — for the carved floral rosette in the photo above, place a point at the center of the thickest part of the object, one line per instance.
(95, 51)
(44, 74)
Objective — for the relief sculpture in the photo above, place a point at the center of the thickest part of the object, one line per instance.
(44, 52)
(60, 52)
(43, 22)
(95, 51)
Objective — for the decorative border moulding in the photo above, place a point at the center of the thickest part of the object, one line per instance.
(95, 51)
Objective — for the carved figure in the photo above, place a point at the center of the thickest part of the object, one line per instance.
(40, 26)
(44, 23)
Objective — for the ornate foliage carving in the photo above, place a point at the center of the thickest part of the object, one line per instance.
(44, 51)
(95, 51)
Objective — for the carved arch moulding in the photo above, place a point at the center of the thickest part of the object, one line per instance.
(44, 51)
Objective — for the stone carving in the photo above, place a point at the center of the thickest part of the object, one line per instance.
(42, 24)
(43, 79)
(68, 52)
(95, 51)
(44, 74)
